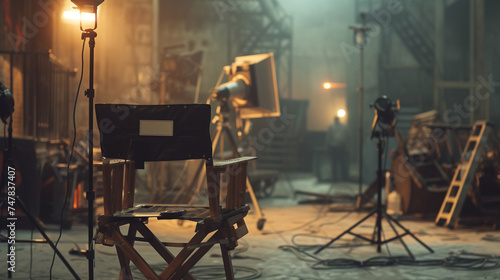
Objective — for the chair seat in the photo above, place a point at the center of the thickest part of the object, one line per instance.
(174, 211)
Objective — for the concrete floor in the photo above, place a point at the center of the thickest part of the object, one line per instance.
(261, 253)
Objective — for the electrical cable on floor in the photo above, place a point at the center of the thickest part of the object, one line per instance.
(334, 222)
(318, 216)
(453, 261)
(69, 163)
(243, 246)
(212, 272)
(491, 238)
(215, 272)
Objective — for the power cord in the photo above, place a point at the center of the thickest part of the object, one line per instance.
(69, 162)
(318, 217)
(454, 260)
(212, 272)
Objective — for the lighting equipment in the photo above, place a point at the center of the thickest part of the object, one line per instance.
(87, 7)
(360, 33)
(384, 114)
(91, 7)
(252, 86)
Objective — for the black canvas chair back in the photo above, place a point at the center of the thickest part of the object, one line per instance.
(154, 132)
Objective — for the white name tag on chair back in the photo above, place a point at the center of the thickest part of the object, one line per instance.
(156, 128)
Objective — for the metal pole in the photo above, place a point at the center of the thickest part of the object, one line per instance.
(380, 210)
(90, 192)
(360, 40)
(360, 90)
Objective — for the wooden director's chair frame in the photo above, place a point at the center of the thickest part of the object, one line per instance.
(221, 225)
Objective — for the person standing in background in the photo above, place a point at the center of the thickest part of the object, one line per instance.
(336, 146)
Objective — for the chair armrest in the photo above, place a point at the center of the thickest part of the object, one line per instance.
(109, 162)
(229, 162)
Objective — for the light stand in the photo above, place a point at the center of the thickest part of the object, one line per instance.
(360, 40)
(383, 114)
(90, 194)
(90, 6)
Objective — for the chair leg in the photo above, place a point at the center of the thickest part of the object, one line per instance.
(190, 262)
(125, 272)
(228, 264)
(133, 255)
(159, 247)
(176, 264)
(195, 258)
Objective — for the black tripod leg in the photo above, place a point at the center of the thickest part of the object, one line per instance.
(409, 233)
(42, 231)
(398, 236)
(232, 143)
(345, 232)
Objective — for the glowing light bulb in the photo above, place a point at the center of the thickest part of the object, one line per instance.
(341, 113)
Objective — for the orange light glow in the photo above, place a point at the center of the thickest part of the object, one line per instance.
(341, 113)
(75, 15)
(328, 85)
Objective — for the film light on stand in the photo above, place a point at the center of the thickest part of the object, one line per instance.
(87, 15)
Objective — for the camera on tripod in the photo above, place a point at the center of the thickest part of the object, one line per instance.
(385, 116)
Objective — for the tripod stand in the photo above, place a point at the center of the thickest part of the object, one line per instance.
(224, 127)
(13, 202)
(380, 213)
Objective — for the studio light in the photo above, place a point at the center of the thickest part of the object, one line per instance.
(252, 86)
(88, 13)
(386, 110)
(90, 6)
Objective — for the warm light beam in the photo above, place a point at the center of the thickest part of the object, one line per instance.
(75, 15)
(328, 85)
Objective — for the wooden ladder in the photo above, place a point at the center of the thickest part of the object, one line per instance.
(465, 172)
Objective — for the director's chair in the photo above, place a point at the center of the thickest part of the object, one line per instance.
(134, 134)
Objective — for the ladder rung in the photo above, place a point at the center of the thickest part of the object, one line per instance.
(454, 191)
(441, 222)
(447, 207)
